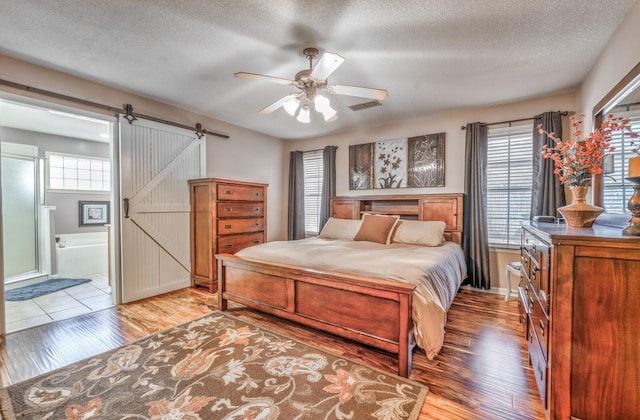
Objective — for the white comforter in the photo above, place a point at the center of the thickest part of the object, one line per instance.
(437, 273)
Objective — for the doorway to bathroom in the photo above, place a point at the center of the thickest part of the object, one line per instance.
(56, 212)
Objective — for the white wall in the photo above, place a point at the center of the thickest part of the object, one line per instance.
(621, 54)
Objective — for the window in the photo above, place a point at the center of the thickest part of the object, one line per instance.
(312, 162)
(78, 173)
(617, 189)
(509, 179)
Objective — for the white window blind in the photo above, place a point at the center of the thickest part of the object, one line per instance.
(312, 162)
(78, 173)
(509, 166)
(617, 189)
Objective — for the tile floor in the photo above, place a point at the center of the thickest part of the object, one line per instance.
(66, 303)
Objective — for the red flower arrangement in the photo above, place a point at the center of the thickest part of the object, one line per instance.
(576, 160)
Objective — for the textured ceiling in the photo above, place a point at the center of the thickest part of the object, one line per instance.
(431, 55)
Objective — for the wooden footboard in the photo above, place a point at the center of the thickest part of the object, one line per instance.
(371, 311)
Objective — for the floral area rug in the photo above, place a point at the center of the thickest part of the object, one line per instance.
(216, 367)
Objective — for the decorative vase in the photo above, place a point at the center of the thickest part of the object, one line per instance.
(580, 214)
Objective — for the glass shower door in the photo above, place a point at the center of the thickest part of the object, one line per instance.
(19, 217)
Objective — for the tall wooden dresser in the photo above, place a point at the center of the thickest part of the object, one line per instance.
(226, 216)
(579, 300)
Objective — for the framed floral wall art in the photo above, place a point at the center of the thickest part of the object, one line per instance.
(414, 162)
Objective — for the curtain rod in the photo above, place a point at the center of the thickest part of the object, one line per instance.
(316, 150)
(197, 128)
(563, 113)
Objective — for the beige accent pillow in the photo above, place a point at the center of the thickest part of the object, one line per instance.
(340, 228)
(414, 232)
(376, 228)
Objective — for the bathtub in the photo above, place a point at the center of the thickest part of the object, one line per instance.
(82, 254)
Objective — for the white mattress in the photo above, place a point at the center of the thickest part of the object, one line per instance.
(437, 273)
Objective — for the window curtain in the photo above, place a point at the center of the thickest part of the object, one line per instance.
(547, 193)
(328, 183)
(475, 239)
(295, 225)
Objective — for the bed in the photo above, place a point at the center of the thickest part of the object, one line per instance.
(371, 305)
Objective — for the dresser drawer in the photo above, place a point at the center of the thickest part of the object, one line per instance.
(235, 226)
(240, 209)
(240, 192)
(538, 364)
(523, 310)
(534, 247)
(541, 326)
(234, 243)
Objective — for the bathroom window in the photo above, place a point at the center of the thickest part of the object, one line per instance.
(78, 173)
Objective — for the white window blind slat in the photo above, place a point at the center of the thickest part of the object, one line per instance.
(509, 179)
(313, 174)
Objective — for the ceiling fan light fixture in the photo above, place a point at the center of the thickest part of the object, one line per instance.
(323, 106)
(303, 115)
(321, 103)
(310, 82)
(330, 114)
(291, 106)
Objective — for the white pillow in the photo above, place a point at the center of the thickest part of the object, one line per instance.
(414, 232)
(340, 228)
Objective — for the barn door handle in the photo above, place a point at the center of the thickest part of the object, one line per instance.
(126, 208)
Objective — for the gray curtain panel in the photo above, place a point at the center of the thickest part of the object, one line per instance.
(475, 239)
(295, 226)
(547, 193)
(328, 183)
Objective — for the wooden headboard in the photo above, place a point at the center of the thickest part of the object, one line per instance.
(445, 207)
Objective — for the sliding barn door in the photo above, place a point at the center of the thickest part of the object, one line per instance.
(156, 162)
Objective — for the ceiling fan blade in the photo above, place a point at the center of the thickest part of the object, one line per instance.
(277, 104)
(363, 92)
(328, 63)
(272, 79)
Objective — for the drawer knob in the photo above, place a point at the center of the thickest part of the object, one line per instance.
(256, 241)
(256, 224)
(227, 209)
(227, 226)
(256, 209)
(542, 328)
(228, 192)
(228, 246)
(256, 194)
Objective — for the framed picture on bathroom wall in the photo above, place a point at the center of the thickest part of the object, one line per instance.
(93, 213)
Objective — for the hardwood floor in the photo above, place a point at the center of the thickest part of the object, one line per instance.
(482, 371)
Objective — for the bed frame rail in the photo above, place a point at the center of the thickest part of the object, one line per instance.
(375, 312)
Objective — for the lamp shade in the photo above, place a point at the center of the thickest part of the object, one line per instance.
(291, 106)
(303, 115)
(323, 105)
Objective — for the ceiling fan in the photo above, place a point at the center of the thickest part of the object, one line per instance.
(312, 84)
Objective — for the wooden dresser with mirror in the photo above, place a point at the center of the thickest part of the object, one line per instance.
(579, 296)
(579, 300)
